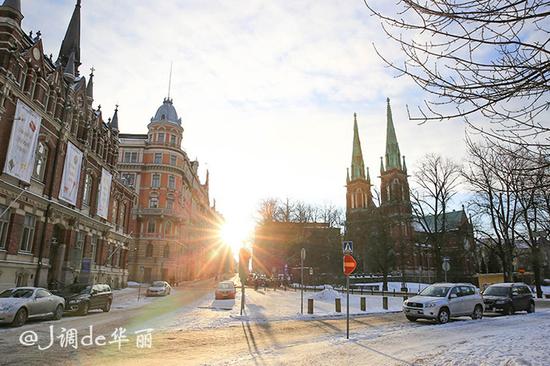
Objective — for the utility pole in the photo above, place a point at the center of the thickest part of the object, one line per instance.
(302, 258)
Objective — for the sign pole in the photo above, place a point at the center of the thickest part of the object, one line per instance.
(302, 257)
(347, 307)
(242, 298)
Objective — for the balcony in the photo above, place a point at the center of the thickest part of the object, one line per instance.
(156, 211)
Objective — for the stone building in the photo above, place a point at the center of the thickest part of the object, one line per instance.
(176, 228)
(64, 214)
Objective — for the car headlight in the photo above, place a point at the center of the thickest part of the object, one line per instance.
(431, 304)
(75, 301)
(500, 302)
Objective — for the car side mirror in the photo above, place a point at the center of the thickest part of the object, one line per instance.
(515, 293)
(453, 296)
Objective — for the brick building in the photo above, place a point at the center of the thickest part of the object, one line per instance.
(176, 228)
(65, 214)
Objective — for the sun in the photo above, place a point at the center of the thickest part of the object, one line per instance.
(235, 234)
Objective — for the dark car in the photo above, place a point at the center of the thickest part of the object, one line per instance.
(80, 298)
(508, 298)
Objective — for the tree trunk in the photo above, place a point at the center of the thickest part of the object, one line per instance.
(384, 282)
(536, 270)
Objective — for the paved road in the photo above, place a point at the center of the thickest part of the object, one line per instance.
(152, 315)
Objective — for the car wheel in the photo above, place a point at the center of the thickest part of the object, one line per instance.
(20, 317)
(443, 316)
(508, 310)
(478, 312)
(107, 307)
(58, 314)
(531, 308)
(411, 318)
(84, 309)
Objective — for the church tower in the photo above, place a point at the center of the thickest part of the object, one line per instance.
(394, 185)
(359, 196)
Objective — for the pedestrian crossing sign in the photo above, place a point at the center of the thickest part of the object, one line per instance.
(347, 247)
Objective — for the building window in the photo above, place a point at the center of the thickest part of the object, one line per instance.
(173, 160)
(151, 226)
(171, 182)
(158, 158)
(76, 252)
(173, 139)
(122, 215)
(160, 137)
(129, 179)
(87, 190)
(169, 203)
(130, 157)
(155, 181)
(40, 162)
(114, 217)
(28, 234)
(168, 228)
(93, 244)
(153, 202)
(4, 224)
(149, 251)
(166, 251)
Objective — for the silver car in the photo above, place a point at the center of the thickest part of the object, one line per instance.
(442, 301)
(159, 288)
(22, 303)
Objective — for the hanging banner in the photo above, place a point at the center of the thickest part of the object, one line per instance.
(71, 174)
(104, 194)
(23, 141)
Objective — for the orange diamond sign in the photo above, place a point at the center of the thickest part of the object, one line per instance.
(349, 264)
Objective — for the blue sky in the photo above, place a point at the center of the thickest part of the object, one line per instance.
(266, 89)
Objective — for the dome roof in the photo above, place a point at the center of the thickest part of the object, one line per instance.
(167, 112)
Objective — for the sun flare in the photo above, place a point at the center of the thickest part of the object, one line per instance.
(236, 235)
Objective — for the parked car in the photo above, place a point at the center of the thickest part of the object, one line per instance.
(159, 288)
(81, 298)
(442, 301)
(22, 303)
(225, 290)
(509, 298)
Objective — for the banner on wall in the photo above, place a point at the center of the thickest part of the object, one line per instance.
(23, 141)
(104, 194)
(71, 174)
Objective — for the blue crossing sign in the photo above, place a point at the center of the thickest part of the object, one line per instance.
(347, 247)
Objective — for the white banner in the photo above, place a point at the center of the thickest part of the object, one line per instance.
(70, 181)
(104, 194)
(23, 140)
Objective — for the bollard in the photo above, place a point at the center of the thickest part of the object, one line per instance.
(310, 306)
(363, 303)
(385, 303)
(338, 304)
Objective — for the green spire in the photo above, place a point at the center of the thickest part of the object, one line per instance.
(393, 156)
(357, 164)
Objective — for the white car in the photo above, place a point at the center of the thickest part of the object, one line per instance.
(22, 303)
(159, 288)
(442, 301)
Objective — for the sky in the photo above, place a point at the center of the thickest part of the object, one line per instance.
(266, 89)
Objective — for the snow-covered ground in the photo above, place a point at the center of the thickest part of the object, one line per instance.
(263, 306)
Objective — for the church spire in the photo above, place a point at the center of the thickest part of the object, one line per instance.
(90, 86)
(71, 42)
(393, 156)
(357, 163)
(114, 121)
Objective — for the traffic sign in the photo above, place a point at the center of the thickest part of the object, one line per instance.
(347, 247)
(349, 264)
(311, 271)
(446, 266)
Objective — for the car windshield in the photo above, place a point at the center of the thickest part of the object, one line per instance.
(77, 289)
(158, 284)
(20, 293)
(435, 291)
(225, 286)
(496, 291)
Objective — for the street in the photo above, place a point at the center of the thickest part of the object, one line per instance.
(221, 337)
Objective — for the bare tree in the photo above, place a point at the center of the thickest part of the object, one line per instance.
(267, 210)
(286, 210)
(380, 253)
(491, 174)
(478, 60)
(437, 179)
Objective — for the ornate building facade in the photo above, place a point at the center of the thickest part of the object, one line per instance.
(64, 213)
(176, 228)
(394, 199)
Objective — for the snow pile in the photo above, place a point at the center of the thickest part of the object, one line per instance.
(133, 284)
(328, 294)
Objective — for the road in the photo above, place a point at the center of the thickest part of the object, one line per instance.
(378, 339)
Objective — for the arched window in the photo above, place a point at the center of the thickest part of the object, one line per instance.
(40, 162)
(166, 251)
(359, 199)
(87, 195)
(167, 228)
(149, 251)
